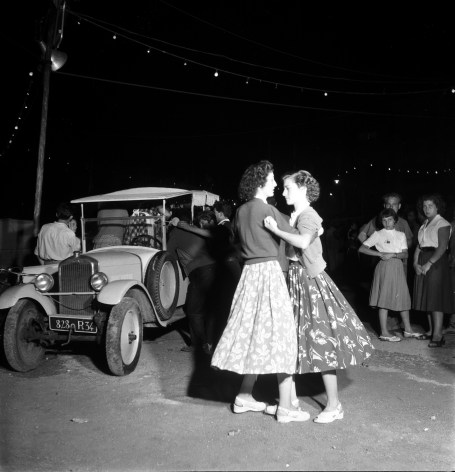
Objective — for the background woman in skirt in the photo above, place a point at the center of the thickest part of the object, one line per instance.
(260, 336)
(389, 289)
(432, 285)
(330, 335)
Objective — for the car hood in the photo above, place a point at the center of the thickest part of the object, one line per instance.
(115, 256)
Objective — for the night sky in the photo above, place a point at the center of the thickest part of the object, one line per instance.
(345, 93)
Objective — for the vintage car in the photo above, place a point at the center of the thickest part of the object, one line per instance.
(106, 294)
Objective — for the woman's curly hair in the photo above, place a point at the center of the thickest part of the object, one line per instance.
(304, 179)
(255, 176)
(436, 198)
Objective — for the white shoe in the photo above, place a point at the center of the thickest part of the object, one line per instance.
(283, 415)
(329, 416)
(271, 409)
(241, 406)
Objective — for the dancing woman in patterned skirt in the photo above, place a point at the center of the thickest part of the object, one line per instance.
(260, 335)
(330, 335)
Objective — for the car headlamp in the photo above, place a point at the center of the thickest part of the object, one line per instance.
(43, 282)
(98, 281)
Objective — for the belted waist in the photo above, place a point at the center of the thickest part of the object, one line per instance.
(427, 248)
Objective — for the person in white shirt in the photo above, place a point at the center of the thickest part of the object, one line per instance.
(433, 292)
(389, 289)
(58, 241)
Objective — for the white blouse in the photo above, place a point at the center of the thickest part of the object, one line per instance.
(428, 232)
(387, 240)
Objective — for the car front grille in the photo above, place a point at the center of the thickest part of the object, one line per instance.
(74, 276)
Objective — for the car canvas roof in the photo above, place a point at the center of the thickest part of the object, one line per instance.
(132, 194)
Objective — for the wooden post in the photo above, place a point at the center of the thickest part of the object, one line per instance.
(51, 27)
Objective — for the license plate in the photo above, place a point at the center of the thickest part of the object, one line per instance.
(76, 325)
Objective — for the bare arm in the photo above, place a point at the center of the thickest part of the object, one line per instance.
(362, 236)
(301, 241)
(443, 241)
(417, 266)
(194, 229)
(452, 249)
(383, 255)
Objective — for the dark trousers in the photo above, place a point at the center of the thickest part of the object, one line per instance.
(227, 278)
(199, 302)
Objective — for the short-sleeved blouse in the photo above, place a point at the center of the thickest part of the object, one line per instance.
(428, 232)
(387, 240)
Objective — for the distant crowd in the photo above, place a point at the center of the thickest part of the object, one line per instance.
(345, 258)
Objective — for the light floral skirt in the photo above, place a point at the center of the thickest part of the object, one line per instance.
(260, 335)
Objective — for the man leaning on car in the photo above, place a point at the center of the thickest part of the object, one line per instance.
(57, 241)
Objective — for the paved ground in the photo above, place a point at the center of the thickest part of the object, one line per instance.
(174, 414)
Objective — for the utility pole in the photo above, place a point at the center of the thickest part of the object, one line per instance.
(53, 38)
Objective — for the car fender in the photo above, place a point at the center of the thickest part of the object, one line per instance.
(114, 291)
(13, 294)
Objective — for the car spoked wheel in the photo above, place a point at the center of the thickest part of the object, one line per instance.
(124, 337)
(21, 340)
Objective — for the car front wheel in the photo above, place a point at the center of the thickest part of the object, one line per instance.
(124, 337)
(24, 326)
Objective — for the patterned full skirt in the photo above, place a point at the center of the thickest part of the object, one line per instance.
(330, 335)
(260, 335)
(389, 289)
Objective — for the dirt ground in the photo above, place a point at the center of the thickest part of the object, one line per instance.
(173, 414)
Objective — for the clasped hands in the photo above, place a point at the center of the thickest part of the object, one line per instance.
(385, 256)
(422, 269)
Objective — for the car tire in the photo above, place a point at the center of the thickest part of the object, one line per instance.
(163, 283)
(124, 332)
(23, 321)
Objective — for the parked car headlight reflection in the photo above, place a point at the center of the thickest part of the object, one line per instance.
(98, 281)
(43, 282)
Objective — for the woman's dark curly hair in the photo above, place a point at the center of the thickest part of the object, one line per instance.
(304, 179)
(436, 198)
(253, 178)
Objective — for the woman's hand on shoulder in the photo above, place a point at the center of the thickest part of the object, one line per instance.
(270, 223)
(183, 224)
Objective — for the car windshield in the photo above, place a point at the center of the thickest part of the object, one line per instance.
(130, 223)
